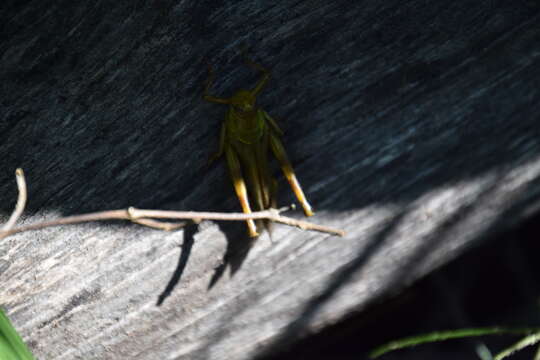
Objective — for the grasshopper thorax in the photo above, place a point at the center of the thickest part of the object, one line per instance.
(243, 101)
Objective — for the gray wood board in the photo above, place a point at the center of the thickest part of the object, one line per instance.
(412, 125)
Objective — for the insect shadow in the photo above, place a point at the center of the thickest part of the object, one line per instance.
(189, 233)
(238, 246)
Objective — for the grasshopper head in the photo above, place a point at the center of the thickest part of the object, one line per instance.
(243, 101)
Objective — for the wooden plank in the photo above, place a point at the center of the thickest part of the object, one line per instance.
(413, 126)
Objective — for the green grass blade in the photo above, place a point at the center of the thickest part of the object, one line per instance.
(7, 352)
(446, 335)
(521, 344)
(12, 346)
(537, 356)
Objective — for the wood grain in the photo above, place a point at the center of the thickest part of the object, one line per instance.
(413, 126)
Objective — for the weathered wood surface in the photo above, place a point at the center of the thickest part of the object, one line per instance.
(413, 125)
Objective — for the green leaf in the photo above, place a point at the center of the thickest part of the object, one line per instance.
(446, 335)
(12, 346)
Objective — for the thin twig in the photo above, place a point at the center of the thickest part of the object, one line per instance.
(147, 218)
(21, 201)
(161, 225)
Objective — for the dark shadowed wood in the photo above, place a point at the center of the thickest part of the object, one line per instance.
(412, 125)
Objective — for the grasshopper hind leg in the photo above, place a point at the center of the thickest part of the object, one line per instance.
(279, 152)
(240, 188)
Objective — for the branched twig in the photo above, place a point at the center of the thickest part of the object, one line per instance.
(21, 201)
(147, 217)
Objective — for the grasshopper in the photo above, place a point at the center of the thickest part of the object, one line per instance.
(247, 135)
